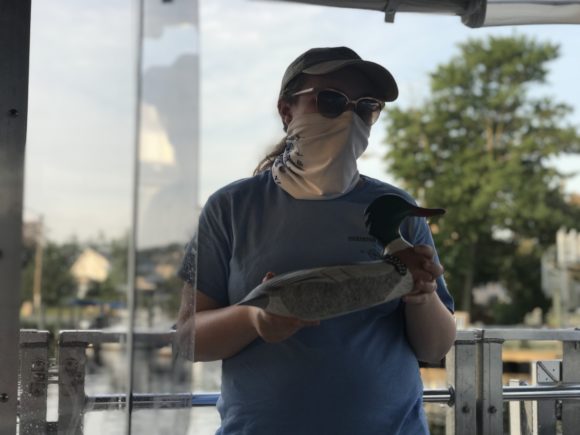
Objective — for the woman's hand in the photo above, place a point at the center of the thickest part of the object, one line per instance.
(273, 328)
(421, 263)
(430, 325)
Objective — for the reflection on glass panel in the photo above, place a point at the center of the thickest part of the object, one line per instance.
(77, 212)
(167, 200)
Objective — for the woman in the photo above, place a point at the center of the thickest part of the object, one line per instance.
(303, 208)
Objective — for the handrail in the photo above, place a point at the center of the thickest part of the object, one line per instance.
(108, 402)
(537, 392)
(543, 334)
(97, 336)
(92, 336)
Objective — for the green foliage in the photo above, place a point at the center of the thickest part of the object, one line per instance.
(57, 284)
(481, 146)
(27, 276)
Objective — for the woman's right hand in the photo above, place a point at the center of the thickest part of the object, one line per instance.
(273, 328)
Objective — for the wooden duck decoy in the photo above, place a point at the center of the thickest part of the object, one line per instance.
(326, 292)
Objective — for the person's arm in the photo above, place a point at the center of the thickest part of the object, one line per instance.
(429, 324)
(430, 328)
(213, 332)
(222, 332)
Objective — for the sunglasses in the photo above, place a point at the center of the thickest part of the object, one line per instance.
(331, 103)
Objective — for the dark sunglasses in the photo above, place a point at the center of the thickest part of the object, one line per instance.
(331, 103)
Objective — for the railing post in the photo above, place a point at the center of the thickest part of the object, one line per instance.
(461, 365)
(491, 386)
(33, 381)
(71, 385)
(571, 374)
(522, 413)
(546, 373)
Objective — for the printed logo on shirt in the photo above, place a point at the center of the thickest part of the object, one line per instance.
(372, 253)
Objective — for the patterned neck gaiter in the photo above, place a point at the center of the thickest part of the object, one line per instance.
(319, 161)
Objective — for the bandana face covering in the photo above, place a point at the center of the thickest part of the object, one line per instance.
(319, 161)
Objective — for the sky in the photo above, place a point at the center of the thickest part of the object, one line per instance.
(81, 106)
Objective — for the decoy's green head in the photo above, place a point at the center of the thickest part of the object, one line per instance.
(383, 216)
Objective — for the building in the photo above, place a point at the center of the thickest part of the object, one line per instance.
(561, 277)
(89, 268)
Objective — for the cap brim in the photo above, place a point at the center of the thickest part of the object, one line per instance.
(386, 85)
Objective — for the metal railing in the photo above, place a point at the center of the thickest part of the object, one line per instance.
(475, 395)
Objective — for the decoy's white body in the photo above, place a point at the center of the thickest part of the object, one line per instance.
(322, 293)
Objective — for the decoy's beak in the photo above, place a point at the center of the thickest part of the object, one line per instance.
(425, 212)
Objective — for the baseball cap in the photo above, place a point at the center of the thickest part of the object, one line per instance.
(324, 60)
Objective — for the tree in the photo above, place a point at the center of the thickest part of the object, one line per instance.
(57, 284)
(481, 146)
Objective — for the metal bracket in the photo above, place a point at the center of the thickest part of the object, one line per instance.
(391, 8)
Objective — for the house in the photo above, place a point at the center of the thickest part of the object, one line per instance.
(89, 268)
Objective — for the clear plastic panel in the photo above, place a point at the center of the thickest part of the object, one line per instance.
(76, 211)
(167, 210)
(80, 160)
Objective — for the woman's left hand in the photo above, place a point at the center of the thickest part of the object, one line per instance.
(420, 260)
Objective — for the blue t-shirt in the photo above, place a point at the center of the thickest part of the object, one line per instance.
(354, 374)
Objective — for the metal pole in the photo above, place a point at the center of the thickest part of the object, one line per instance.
(132, 254)
(571, 374)
(517, 415)
(107, 402)
(14, 49)
(542, 393)
(546, 373)
(491, 404)
(462, 374)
